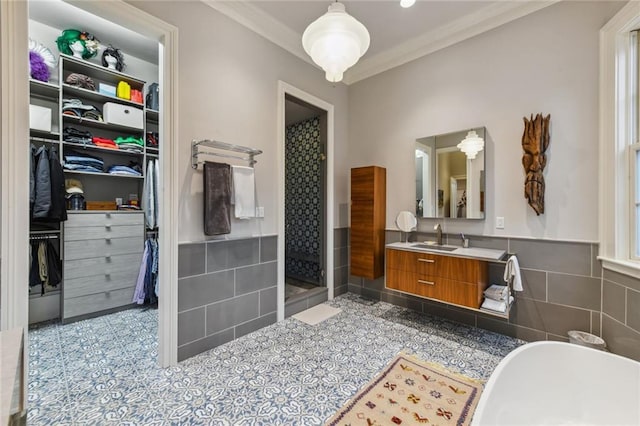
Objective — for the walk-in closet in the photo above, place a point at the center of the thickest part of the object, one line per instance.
(95, 146)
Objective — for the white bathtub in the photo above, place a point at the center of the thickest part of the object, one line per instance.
(554, 383)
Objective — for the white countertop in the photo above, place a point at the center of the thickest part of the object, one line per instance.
(471, 252)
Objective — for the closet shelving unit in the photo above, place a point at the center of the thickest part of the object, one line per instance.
(98, 186)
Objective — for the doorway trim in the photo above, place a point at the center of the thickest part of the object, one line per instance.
(283, 90)
(14, 19)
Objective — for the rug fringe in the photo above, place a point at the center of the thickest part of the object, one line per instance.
(440, 367)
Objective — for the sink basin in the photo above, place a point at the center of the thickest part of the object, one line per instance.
(435, 247)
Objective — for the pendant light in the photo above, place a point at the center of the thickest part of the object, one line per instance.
(335, 41)
(471, 145)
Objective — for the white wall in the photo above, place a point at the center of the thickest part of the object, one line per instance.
(545, 62)
(228, 91)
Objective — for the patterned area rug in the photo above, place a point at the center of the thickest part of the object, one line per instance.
(412, 392)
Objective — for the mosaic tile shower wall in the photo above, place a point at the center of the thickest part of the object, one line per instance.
(303, 193)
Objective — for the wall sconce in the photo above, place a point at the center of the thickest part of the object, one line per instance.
(471, 145)
(335, 41)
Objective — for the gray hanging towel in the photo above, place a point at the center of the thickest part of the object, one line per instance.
(217, 198)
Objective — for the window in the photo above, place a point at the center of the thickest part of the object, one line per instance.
(619, 190)
(634, 146)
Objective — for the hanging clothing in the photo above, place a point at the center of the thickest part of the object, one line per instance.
(147, 284)
(42, 183)
(58, 211)
(138, 294)
(148, 196)
(46, 266)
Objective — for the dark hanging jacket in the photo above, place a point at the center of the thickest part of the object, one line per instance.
(58, 210)
(42, 201)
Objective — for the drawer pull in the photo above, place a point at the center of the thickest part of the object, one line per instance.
(108, 240)
(427, 282)
(108, 257)
(107, 226)
(426, 260)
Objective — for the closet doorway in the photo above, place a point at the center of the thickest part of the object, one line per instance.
(305, 262)
(102, 301)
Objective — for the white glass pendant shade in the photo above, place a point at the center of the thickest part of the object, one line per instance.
(335, 41)
(407, 3)
(471, 145)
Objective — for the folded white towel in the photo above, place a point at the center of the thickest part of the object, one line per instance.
(496, 305)
(512, 269)
(497, 292)
(244, 192)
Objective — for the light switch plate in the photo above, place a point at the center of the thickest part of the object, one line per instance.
(259, 211)
(499, 222)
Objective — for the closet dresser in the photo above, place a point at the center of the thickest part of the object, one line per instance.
(102, 256)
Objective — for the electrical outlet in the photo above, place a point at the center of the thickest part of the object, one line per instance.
(499, 222)
(259, 211)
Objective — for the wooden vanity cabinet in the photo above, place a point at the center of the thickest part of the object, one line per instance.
(368, 220)
(455, 280)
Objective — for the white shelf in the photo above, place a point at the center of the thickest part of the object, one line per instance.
(88, 147)
(77, 172)
(95, 96)
(75, 65)
(100, 124)
(44, 90)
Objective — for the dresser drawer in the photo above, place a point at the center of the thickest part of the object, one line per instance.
(100, 265)
(102, 247)
(103, 232)
(454, 268)
(94, 284)
(97, 302)
(102, 218)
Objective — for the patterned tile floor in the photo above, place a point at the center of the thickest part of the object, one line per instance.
(103, 370)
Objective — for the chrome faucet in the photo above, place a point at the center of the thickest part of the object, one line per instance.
(438, 230)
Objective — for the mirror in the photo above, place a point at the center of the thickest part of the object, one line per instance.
(449, 182)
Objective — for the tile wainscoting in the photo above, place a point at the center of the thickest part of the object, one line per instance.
(228, 288)
(564, 290)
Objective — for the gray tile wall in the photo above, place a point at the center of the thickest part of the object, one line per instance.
(226, 289)
(562, 282)
(621, 313)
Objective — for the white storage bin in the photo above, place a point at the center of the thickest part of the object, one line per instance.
(40, 118)
(123, 115)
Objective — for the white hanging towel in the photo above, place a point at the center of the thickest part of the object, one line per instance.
(512, 269)
(244, 192)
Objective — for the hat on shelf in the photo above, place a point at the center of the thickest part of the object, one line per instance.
(73, 186)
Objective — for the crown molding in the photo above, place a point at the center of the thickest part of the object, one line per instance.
(258, 21)
(466, 27)
(485, 19)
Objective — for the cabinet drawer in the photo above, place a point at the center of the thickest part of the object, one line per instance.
(410, 282)
(102, 218)
(454, 268)
(446, 290)
(100, 265)
(97, 302)
(107, 281)
(103, 247)
(102, 232)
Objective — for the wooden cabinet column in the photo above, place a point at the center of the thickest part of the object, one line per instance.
(368, 220)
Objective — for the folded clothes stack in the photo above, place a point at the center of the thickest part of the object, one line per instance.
(82, 162)
(76, 108)
(104, 143)
(73, 135)
(133, 169)
(130, 143)
(495, 298)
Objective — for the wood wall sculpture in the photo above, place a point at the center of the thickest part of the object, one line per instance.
(535, 141)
